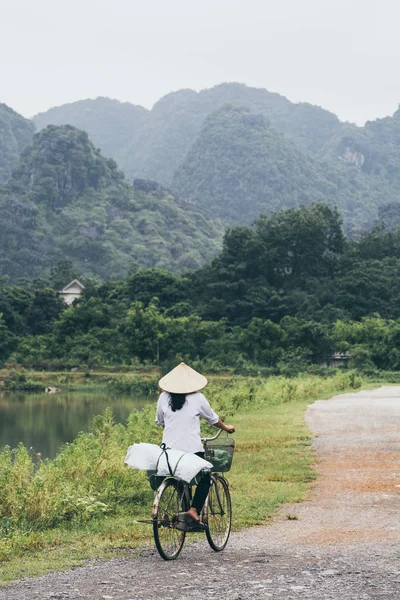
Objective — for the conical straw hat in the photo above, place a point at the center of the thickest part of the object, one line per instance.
(182, 380)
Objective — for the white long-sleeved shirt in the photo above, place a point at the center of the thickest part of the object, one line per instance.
(182, 427)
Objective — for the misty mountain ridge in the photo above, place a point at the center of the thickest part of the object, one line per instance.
(166, 132)
(66, 201)
(111, 124)
(353, 167)
(231, 153)
(240, 166)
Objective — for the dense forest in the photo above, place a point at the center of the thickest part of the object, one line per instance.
(256, 233)
(281, 296)
(66, 201)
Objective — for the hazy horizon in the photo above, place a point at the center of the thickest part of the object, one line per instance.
(181, 89)
(334, 54)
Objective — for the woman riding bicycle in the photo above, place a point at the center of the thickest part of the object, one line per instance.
(179, 409)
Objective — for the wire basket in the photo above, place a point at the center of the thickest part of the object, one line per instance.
(220, 453)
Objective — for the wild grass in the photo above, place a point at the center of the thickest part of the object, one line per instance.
(84, 503)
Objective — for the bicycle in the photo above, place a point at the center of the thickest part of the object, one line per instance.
(172, 501)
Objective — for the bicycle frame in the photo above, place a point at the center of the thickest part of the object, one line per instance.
(186, 489)
(171, 521)
(214, 479)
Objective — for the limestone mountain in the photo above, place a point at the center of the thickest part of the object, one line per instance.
(152, 144)
(66, 201)
(240, 166)
(374, 149)
(296, 154)
(15, 133)
(111, 125)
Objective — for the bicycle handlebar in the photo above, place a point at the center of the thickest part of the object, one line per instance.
(204, 440)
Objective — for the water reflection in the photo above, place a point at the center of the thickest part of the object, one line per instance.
(46, 421)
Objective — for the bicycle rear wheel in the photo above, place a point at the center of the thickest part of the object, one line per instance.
(170, 500)
(217, 513)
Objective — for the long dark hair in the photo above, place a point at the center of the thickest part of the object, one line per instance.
(176, 401)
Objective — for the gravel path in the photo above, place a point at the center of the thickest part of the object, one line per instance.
(345, 543)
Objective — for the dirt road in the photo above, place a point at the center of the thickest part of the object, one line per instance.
(345, 543)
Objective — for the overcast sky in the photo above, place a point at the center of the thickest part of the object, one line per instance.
(343, 55)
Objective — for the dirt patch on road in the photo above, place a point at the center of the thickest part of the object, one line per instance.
(361, 471)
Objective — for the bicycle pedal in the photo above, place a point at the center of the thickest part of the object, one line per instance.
(196, 527)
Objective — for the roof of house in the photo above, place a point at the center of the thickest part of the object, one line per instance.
(73, 283)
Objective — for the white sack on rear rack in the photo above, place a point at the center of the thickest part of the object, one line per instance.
(184, 465)
(149, 457)
(143, 456)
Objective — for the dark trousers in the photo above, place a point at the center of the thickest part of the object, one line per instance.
(201, 489)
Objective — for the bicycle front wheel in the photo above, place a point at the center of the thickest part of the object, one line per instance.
(168, 503)
(217, 513)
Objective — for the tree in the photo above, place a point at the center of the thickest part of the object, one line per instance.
(300, 243)
(314, 339)
(143, 329)
(8, 340)
(262, 342)
(64, 272)
(150, 283)
(45, 308)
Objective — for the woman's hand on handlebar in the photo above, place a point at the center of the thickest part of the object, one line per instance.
(227, 428)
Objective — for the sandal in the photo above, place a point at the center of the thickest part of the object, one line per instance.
(188, 523)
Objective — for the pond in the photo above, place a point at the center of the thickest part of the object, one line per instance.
(46, 421)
